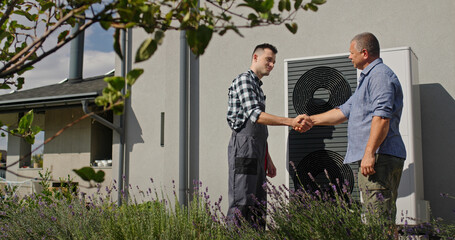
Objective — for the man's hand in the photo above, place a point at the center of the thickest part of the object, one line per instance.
(302, 123)
(367, 164)
(271, 169)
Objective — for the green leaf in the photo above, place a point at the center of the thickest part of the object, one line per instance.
(62, 36)
(267, 5)
(99, 176)
(199, 39)
(297, 4)
(30, 139)
(25, 69)
(159, 36)
(169, 15)
(117, 47)
(264, 15)
(86, 173)
(133, 75)
(105, 25)
(89, 174)
(281, 5)
(318, 2)
(288, 5)
(146, 50)
(292, 27)
(26, 121)
(20, 82)
(313, 7)
(118, 109)
(187, 17)
(45, 5)
(117, 82)
(4, 86)
(35, 129)
(130, 25)
(101, 101)
(252, 16)
(26, 14)
(4, 34)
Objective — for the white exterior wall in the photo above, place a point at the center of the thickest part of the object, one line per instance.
(156, 91)
(425, 27)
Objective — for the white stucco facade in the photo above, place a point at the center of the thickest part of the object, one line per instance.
(425, 27)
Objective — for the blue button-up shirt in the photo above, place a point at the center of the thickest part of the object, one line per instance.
(378, 93)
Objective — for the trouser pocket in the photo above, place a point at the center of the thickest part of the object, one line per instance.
(244, 165)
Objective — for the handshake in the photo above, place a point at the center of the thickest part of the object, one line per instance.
(302, 123)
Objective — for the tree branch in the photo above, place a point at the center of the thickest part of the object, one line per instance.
(18, 60)
(8, 11)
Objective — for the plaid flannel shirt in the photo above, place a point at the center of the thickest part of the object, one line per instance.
(245, 97)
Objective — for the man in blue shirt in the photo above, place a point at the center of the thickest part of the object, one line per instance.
(373, 113)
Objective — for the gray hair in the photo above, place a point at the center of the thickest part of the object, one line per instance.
(367, 41)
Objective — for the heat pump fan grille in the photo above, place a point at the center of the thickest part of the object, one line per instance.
(319, 90)
(315, 163)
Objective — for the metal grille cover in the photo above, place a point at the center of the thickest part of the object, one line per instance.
(316, 164)
(308, 95)
(316, 85)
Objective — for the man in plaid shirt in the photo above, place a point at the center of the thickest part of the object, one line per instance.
(249, 160)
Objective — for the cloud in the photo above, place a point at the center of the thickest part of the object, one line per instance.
(98, 63)
(99, 58)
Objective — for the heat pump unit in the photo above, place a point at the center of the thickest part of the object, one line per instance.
(317, 84)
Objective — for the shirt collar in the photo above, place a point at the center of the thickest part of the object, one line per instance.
(255, 77)
(370, 66)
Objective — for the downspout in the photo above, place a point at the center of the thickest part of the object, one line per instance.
(194, 123)
(191, 128)
(128, 47)
(122, 178)
(183, 120)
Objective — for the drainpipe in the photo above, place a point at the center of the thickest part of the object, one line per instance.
(189, 120)
(122, 167)
(194, 123)
(183, 120)
(128, 49)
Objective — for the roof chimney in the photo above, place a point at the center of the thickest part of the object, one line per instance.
(76, 54)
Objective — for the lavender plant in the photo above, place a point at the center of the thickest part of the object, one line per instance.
(152, 215)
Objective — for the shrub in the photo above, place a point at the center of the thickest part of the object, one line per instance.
(290, 215)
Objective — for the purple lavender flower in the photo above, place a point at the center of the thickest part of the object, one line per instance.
(445, 195)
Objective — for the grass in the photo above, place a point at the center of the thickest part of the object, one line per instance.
(291, 215)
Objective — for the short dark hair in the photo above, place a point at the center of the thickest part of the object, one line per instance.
(367, 41)
(264, 46)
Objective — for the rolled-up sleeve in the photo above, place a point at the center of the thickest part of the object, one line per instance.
(346, 107)
(382, 95)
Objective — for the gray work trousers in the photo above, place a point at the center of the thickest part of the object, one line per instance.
(246, 155)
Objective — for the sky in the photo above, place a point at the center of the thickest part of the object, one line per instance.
(99, 58)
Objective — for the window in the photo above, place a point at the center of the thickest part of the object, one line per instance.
(38, 150)
(101, 142)
(32, 154)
